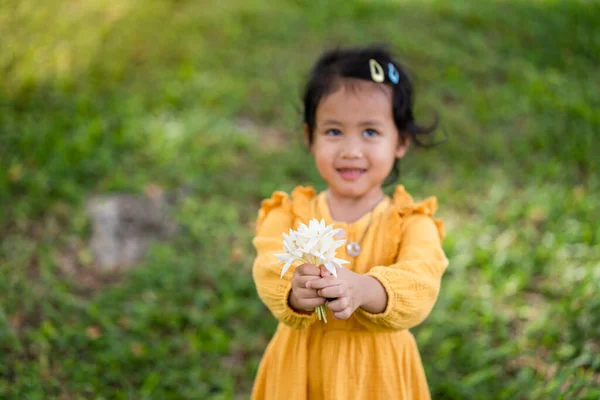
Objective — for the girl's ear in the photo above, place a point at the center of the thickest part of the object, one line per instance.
(307, 137)
(403, 145)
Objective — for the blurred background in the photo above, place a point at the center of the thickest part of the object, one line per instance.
(137, 140)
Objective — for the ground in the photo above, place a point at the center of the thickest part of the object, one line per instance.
(204, 97)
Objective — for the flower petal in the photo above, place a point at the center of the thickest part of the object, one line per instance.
(338, 243)
(285, 268)
(331, 268)
(340, 261)
(339, 233)
(310, 245)
(283, 256)
(315, 243)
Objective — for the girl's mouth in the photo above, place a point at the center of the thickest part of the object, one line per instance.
(351, 174)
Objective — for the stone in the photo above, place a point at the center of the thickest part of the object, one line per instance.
(123, 225)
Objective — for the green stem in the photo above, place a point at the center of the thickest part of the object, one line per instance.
(321, 312)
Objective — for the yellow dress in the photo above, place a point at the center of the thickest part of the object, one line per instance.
(368, 356)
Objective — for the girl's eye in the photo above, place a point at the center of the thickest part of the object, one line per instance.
(370, 133)
(333, 132)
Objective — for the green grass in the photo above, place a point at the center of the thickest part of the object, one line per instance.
(97, 97)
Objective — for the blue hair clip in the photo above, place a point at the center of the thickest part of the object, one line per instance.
(393, 73)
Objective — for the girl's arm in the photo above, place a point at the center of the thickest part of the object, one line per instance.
(402, 295)
(266, 270)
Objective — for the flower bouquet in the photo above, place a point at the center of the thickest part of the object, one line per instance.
(313, 244)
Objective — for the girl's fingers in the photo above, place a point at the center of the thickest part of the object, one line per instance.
(322, 282)
(311, 304)
(332, 291)
(324, 271)
(308, 270)
(338, 305)
(301, 281)
(344, 314)
(306, 293)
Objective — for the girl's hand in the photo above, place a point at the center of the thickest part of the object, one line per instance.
(344, 293)
(301, 297)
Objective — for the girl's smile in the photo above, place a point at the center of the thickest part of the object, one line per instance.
(351, 174)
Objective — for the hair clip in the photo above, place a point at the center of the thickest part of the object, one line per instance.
(393, 73)
(377, 73)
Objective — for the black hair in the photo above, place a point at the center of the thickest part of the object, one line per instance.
(337, 64)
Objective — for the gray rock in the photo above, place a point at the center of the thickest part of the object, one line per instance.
(123, 225)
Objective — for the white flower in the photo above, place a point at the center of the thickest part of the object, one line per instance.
(313, 244)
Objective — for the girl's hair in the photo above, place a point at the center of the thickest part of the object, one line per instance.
(335, 65)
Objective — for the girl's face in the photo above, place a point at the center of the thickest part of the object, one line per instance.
(355, 140)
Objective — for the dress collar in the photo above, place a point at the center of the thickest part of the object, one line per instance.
(326, 214)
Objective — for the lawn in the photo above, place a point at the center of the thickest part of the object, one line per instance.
(203, 98)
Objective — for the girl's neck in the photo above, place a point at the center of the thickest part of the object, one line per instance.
(350, 209)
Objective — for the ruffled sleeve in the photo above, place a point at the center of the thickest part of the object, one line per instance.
(275, 217)
(413, 282)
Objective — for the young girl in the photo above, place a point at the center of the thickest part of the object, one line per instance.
(358, 115)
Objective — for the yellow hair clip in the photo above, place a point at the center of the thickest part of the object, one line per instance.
(377, 73)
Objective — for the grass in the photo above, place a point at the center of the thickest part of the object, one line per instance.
(98, 97)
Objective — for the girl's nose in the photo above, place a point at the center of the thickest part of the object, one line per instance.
(351, 155)
(351, 150)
